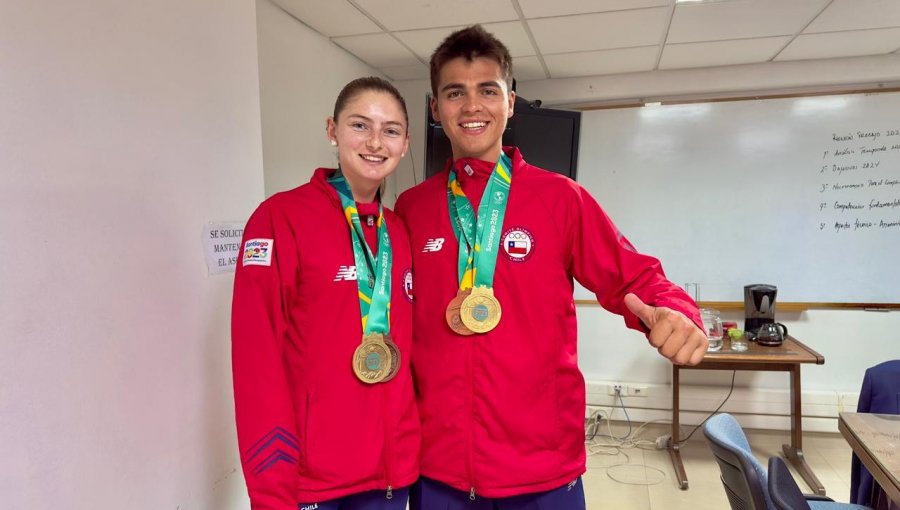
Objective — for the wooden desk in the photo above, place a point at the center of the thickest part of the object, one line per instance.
(785, 358)
(875, 439)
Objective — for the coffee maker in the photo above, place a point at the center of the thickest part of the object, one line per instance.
(759, 306)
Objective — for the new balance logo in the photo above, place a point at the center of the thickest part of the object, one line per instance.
(345, 273)
(433, 245)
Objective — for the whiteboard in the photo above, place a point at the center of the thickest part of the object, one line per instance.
(802, 193)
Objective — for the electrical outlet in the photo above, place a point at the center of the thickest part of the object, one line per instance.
(611, 389)
(636, 390)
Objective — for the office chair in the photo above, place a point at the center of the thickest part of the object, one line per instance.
(744, 477)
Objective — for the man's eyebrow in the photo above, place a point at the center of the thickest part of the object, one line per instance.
(451, 86)
(454, 86)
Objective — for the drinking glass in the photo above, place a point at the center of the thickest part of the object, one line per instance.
(712, 323)
(692, 290)
(740, 343)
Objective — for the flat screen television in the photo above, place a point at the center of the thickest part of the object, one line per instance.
(548, 138)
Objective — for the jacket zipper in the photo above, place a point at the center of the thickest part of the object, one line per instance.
(388, 443)
(472, 420)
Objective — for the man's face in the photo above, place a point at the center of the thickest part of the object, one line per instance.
(473, 104)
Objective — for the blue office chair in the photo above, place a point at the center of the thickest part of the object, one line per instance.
(786, 494)
(745, 479)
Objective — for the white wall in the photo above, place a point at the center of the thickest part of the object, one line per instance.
(850, 340)
(411, 170)
(124, 127)
(300, 76)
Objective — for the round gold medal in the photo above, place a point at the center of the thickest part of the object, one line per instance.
(480, 311)
(395, 358)
(454, 320)
(372, 359)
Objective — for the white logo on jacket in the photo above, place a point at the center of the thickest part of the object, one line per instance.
(345, 273)
(434, 244)
(258, 252)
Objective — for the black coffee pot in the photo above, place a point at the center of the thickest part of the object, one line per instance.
(771, 334)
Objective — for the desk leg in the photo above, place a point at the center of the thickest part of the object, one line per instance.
(794, 451)
(674, 447)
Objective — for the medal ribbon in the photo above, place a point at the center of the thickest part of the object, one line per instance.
(479, 240)
(373, 274)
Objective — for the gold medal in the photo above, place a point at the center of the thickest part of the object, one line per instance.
(395, 358)
(372, 359)
(480, 311)
(454, 320)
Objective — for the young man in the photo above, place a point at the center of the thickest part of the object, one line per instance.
(499, 390)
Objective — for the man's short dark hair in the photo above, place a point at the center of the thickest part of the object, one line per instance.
(470, 43)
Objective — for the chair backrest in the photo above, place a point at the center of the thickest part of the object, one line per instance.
(783, 488)
(743, 476)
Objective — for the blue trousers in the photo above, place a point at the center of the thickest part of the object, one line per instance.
(427, 494)
(370, 500)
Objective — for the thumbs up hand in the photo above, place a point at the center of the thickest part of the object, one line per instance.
(675, 336)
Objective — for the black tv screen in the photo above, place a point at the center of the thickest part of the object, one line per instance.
(548, 138)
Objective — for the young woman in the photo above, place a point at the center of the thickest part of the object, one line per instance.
(321, 322)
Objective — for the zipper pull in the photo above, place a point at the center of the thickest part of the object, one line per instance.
(390, 492)
(472, 494)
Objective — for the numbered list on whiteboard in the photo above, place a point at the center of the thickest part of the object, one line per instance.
(859, 188)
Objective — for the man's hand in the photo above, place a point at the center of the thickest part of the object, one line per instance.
(675, 336)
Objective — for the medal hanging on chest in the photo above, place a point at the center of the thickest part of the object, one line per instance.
(377, 359)
(475, 309)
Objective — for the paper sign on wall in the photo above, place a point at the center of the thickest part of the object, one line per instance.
(222, 244)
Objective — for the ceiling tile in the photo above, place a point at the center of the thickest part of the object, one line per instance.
(417, 14)
(741, 19)
(621, 29)
(721, 53)
(416, 72)
(377, 50)
(545, 9)
(331, 18)
(593, 63)
(528, 68)
(511, 33)
(842, 44)
(857, 14)
(423, 42)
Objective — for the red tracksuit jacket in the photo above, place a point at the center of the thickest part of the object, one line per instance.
(308, 429)
(503, 412)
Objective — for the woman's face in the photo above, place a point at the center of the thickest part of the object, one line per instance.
(372, 136)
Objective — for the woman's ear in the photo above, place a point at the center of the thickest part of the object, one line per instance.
(331, 131)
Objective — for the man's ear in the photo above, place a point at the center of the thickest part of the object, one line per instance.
(434, 110)
(512, 104)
